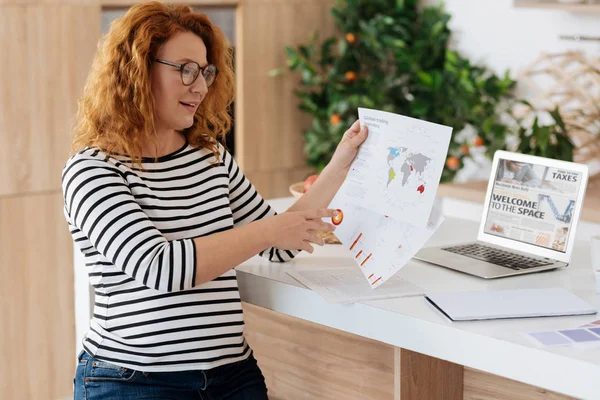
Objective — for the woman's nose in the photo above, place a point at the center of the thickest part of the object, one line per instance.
(199, 86)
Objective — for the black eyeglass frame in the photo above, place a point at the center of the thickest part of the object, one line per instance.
(200, 70)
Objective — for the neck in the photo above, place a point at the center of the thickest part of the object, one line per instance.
(166, 142)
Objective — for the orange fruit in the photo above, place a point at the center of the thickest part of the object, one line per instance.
(453, 163)
(464, 149)
(350, 76)
(335, 119)
(478, 141)
(308, 182)
(350, 37)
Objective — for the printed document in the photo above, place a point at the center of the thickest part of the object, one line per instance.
(386, 203)
(347, 285)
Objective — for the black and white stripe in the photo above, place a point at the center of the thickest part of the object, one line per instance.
(135, 227)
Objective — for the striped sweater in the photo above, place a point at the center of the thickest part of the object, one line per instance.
(135, 228)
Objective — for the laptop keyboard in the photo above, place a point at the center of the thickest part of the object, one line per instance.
(495, 256)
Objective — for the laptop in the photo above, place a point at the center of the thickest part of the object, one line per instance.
(530, 215)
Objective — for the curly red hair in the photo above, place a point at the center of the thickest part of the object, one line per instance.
(116, 112)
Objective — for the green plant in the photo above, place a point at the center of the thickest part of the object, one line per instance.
(546, 140)
(392, 56)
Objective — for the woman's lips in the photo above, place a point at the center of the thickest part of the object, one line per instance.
(189, 106)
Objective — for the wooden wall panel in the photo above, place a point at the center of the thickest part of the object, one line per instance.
(14, 93)
(483, 386)
(48, 51)
(303, 360)
(37, 343)
(274, 184)
(129, 3)
(268, 123)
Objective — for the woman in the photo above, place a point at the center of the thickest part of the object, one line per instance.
(163, 214)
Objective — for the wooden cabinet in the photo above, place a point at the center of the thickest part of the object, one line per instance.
(304, 360)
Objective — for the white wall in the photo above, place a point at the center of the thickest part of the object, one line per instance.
(503, 37)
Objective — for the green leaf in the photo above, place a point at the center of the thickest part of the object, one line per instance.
(368, 102)
(342, 47)
(451, 56)
(437, 28)
(425, 78)
(542, 139)
(307, 76)
(566, 148)
(304, 51)
(388, 20)
(308, 105)
(558, 118)
(290, 52)
(293, 63)
(326, 50)
(317, 125)
(528, 104)
(488, 125)
(437, 79)
(276, 72)
(400, 44)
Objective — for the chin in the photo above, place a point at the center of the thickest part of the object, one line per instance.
(181, 125)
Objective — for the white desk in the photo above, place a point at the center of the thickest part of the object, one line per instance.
(410, 323)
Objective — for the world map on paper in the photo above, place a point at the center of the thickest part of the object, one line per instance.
(406, 167)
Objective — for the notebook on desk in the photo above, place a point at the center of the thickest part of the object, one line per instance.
(499, 304)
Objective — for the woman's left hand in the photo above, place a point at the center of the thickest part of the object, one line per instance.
(348, 148)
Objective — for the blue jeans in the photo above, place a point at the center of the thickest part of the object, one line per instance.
(95, 379)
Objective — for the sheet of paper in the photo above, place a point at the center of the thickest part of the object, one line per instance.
(398, 168)
(548, 339)
(347, 285)
(584, 338)
(593, 324)
(380, 245)
(387, 200)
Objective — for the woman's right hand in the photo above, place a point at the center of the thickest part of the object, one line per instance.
(296, 230)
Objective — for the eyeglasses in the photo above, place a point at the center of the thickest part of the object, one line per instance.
(191, 70)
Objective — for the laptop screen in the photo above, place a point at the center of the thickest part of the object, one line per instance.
(533, 204)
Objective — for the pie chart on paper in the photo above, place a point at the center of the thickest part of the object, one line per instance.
(338, 218)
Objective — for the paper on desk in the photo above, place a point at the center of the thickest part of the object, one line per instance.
(398, 168)
(347, 285)
(580, 337)
(593, 324)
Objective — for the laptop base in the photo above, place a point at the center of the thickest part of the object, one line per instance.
(438, 256)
